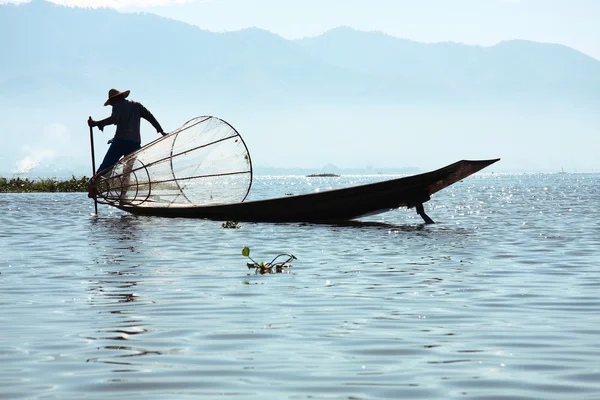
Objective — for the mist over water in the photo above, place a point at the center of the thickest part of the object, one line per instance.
(499, 299)
(417, 137)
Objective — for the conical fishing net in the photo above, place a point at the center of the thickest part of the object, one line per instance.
(203, 162)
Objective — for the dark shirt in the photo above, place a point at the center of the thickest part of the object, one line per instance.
(126, 116)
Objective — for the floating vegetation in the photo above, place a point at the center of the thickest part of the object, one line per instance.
(272, 267)
(51, 185)
(326, 175)
(230, 225)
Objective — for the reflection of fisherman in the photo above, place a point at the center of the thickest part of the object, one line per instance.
(126, 115)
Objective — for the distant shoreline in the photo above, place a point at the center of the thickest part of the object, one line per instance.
(50, 185)
(325, 175)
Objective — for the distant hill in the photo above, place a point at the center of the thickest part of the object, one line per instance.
(56, 51)
(456, 71)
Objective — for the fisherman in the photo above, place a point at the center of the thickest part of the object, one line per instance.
(126, 115)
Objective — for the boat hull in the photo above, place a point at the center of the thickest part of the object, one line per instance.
(333, 205)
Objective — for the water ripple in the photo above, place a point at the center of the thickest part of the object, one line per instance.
(499, 300)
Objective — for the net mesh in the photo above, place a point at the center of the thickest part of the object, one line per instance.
(203, 162)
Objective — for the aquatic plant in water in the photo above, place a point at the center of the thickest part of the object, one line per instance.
(18, 185)
(270, 267)
(230, 225)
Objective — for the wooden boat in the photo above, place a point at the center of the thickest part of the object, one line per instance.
(328, 206)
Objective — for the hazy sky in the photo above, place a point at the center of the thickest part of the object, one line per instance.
(575, 23)
(510, 133)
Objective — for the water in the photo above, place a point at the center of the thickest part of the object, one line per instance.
(498, 300)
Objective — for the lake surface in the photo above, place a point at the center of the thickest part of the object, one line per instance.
(498, 300)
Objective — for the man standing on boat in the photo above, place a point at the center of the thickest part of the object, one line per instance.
(126, 115)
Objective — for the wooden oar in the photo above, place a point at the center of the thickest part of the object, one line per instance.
(93, 162)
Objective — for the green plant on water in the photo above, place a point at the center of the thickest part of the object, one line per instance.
(18, 185)
(270, 267)
(230, 225)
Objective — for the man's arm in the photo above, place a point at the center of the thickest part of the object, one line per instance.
(147, 115)
(106, 121)
(112, 120)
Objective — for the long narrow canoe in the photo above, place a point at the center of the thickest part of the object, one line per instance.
(333, 205)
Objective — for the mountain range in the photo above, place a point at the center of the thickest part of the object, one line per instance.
(51, 50)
